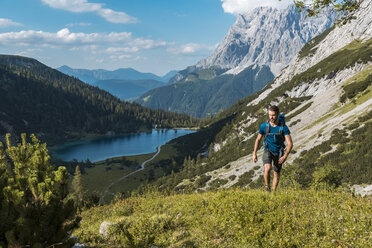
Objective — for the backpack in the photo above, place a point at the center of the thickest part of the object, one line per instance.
(281, 124)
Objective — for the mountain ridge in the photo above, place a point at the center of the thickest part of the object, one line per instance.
(91, 76)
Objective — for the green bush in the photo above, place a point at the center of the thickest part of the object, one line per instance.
(351, 90)
(202, 180)
(327, 177)
(35, 207)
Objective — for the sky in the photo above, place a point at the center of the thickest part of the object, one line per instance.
(154, 36)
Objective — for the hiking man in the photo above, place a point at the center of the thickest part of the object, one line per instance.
(275, 133)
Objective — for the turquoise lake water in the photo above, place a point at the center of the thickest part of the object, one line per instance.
(114, 146)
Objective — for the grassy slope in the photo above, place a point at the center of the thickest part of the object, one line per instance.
(98, 177)
(233, 218)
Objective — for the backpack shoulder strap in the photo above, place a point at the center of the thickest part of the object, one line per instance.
(267, 128)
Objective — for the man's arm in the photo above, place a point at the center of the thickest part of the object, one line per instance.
(288, 139)
(256, 144)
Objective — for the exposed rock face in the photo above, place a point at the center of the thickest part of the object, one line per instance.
(358, 29)
(104, 228)
(266, 36)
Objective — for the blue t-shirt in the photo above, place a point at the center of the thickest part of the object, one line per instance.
(274, 142)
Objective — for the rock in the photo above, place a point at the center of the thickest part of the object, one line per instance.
(77, 245)
(363, 190)
(104, 228)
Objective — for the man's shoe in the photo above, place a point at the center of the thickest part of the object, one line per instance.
(267, 188)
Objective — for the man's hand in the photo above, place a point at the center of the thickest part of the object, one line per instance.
(283, 159)
(254, 157)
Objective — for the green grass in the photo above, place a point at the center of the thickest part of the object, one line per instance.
(233, 218)
(98, 177)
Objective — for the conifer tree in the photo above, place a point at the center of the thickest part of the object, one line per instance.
(77, 188)
(34, 205)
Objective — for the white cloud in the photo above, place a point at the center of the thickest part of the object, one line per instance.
(8, 23)
(80, 24)
(190, 48)
(241, 6)
(78, 6)
(29, 52)
(96, 43)
(122, 49)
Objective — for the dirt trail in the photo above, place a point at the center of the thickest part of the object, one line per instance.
(101, 200)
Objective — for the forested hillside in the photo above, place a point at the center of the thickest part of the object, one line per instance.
(37, 99)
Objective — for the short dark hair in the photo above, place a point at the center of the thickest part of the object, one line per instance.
(274, 108)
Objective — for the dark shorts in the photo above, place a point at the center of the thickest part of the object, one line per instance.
(269, 158)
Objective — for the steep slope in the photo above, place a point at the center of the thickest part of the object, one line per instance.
(326, 95)
(37, 99)
(204, 93)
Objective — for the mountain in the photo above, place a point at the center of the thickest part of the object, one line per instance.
(262, 38)
(35, 98)
(326, 95)
(203, 93)
(266, 36)
(91, 76)
(128, 89)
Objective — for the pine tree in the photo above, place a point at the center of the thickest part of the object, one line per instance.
(34, 204)
(77, 188)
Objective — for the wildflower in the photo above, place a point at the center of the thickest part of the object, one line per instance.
(333, 240)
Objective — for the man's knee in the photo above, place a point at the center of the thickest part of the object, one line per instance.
(267, 168)
(276, 174)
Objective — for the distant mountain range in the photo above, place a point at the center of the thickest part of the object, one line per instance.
(125, 83)
(128, 89)
(262, 41)
(92, 76)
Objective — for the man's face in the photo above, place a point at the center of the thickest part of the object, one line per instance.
(273, 116)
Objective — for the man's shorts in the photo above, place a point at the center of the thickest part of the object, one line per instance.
(268, 158)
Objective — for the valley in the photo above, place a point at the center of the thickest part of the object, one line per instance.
(174, 167)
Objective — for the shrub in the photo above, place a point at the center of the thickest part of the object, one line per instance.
(327, 177)
(35, 208)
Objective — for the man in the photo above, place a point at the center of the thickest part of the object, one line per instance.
(274, 145)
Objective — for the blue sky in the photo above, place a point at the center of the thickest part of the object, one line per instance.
(148, 35)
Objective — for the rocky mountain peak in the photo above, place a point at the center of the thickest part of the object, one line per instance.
(266, 36)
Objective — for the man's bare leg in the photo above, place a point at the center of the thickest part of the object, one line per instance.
(267, 174)
(276, 180)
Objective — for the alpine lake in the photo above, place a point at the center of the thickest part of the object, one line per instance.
(102, 148)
